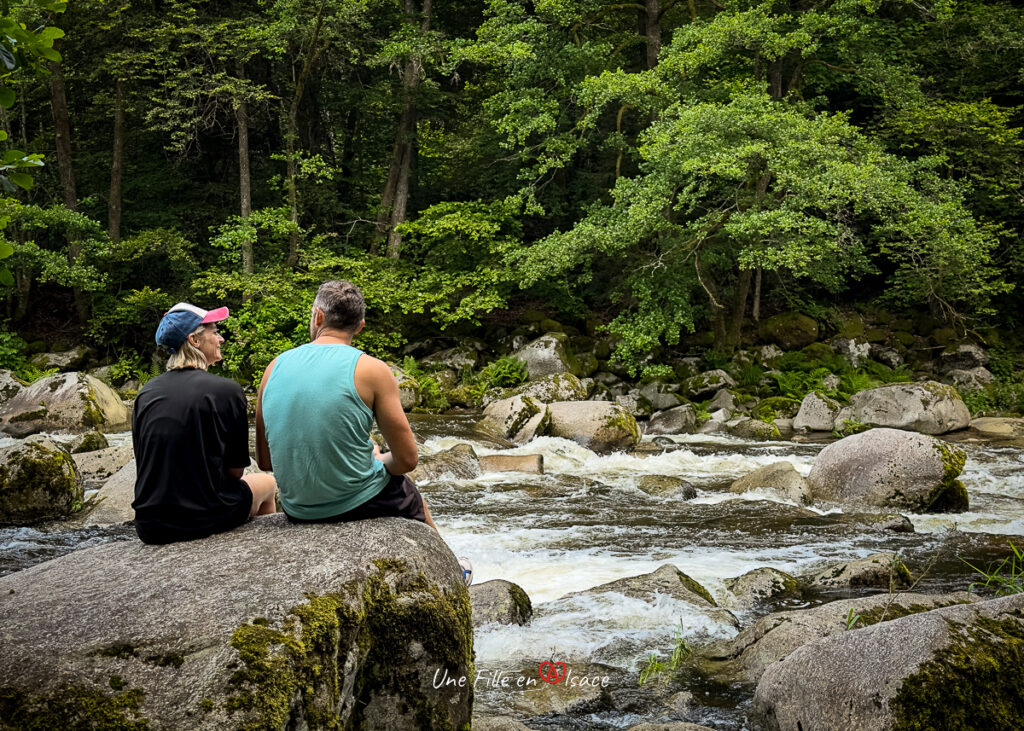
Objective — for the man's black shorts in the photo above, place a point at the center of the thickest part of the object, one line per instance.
(158, 533)
(398, 499)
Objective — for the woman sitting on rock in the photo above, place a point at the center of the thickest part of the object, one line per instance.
(190, 433)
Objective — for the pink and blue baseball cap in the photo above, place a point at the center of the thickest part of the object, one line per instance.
(181, 320)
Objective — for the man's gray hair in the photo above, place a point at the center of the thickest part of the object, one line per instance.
(342, 304)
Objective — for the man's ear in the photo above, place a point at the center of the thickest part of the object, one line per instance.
(362, 324)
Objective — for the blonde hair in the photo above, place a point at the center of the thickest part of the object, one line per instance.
(189, 356)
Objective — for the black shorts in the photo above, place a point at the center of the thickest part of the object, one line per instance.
(398, 499)
(159, 533)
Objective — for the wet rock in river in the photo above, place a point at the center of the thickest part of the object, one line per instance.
(70, 402)
(354, 616)
(762, 585)
(891, 522)
(498, 723)
(499, 601)
(773, 637)
(955, 667)
(928, 407)
(891, 468)
(567, 696)
(458, 463)
(882, 570)
(666, 486)
(532, 464)
(678, 420)
(597, 425)
(995, 427)
(38, 481)
(519, 418)
(747, 428)
(781, 477)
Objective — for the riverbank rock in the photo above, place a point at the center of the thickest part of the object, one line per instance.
(38, 481)
(408, 389)
(555, 387)
(754, 429)
(113, 503)
(994, 427)
(499, 601)
(660, 395)
(458, 463)
(955, 667)
(891, 468)
(9, 386)
(973, 379)
(817, 412)
(519, 418)
(67, 360)
(70, 402)
(964, 357)
(774, 636)
(678, 420)
(547, 355)
(882, 570)
(597, 425)
(531, 464)
(790, 330)
(456, 358)
(780, 477)
(707, 384)
(928, 407)
(101, 464)
(761, 586)
(348, 629)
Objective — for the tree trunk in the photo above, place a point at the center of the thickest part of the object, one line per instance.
(62, 132)
(756, 313)
(114, 204)
(652, 30)
(404, 150)
(244, 176)
(292, 133)
(739, 310)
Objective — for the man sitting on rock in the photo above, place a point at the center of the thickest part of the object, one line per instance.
(190, 433)
(315, 409)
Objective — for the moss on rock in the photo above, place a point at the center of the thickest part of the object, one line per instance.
(72, 707)
(974, 683)
(39, 481)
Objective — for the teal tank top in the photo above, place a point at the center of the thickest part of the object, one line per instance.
(318, 430)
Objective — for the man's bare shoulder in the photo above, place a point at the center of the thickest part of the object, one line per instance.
(374, 368)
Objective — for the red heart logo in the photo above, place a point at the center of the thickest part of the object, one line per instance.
(549, 671)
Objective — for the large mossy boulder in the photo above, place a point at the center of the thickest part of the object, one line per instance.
(775, 636)
(600, 426)
(755, 429)
(64, 361)
(761, 586)
(790, 330)
(953, 667)
(891, 468)
(69, 402)
(547, 355)
(270, 626)
(408, 389)
(38, 481)
(519, 418)
(927, 407)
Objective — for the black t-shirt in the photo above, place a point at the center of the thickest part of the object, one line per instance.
(188, 428)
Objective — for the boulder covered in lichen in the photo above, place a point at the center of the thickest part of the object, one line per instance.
(598, 425)
(38, 481)
(955, 667)
(68, 402)
(272, 625)
(547, 355)
(499, 601)
(775, 636)
(927, 407)
(891, 468)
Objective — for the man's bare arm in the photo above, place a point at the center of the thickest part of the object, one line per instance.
(391, 419)
(262, 448)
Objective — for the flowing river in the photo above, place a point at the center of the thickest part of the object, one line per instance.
(584, 523)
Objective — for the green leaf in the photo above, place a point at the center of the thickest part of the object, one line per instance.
(22, 180)
(5, 249)
(11, 156)
(7, 97)
(5, 277)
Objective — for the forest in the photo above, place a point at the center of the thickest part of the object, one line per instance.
(667, 172)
